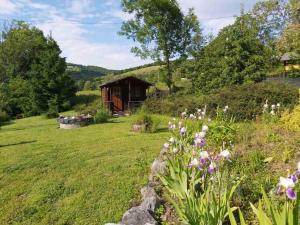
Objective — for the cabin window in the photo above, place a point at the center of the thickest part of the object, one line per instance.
(137, 92)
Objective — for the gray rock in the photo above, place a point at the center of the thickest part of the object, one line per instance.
(138, 216)
(158, 167)
(151, 200)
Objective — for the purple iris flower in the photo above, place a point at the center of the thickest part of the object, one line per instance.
(199, 142)
(182, 131)
(294, 178)
(291, 194)
(211, 168)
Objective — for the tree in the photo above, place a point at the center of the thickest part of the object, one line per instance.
(162, 30)
(234, 57)
(87, 85)
(33, 72)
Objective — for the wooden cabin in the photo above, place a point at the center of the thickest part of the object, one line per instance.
(124, 94)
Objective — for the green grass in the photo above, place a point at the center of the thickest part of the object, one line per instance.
(89, 175)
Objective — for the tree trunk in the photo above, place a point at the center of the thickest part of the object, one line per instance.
(169, 75)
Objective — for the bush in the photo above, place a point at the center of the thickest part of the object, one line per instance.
(292, 120)
(150, 123)
(53, 108)
(102, 115)
(4, 117)
(245, 101)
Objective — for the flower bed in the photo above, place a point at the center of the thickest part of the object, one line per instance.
(73, 122)
(199, 183)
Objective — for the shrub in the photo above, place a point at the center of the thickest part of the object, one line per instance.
(4, 117)
(245, 101)
(292, 120)
(102, 115)
(53, 109)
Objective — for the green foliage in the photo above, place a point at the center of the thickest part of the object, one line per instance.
(245, 101)
(53, 108)
(161, 29)
(292, 120)
(235, 56)
(33, 72)
(4, 117)
(150, 123)
(269, 214)
(81, 72)
(102, 115)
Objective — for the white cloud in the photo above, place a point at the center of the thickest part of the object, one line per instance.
(216, 14)
(80, 6)
(77, 49)
(7, 7)
(121, 15)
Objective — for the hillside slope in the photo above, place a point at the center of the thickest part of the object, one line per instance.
(81, 72)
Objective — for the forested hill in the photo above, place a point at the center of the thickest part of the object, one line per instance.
(81, 72)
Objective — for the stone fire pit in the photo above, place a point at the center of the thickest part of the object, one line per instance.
(73, 122)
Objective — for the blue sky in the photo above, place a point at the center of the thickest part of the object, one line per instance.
(86, 30)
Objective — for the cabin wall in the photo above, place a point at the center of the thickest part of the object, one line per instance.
(124, 94)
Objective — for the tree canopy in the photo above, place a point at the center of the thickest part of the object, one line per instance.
(33, 74)
(161, 29)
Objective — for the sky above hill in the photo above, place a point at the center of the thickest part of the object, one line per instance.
(86, 30)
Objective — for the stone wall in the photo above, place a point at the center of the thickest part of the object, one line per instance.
(144, 214)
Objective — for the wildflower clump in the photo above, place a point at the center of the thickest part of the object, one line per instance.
(197, 168)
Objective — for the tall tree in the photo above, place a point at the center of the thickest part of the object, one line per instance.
(235, 56)
(162, 30)
(34, 71)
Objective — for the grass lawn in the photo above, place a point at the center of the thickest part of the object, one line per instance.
(84, 176)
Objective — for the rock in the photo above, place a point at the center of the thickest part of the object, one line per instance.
(158, 167)
(151, 200)
(138, 216)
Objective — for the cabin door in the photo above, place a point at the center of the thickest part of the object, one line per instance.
(117, 99)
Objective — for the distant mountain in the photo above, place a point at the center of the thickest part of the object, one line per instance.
(81, 72)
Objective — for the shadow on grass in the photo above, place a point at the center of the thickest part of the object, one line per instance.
(3, 124)
(162, 130)
(19, 143)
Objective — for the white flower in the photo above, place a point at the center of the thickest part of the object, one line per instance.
(199, 111)
(194, 162)
(278, 105)
(272, 112)
(200, 118)
(200, 134)
(170, 123)
(266, 106)
(286, 183)
(175, 150)
(172, 140)
(192, 116)
(273, 107)
(174, 119)
(225, 154)
(204, 155)
(204, 128)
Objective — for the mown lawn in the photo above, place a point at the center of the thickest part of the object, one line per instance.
(84, 176)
